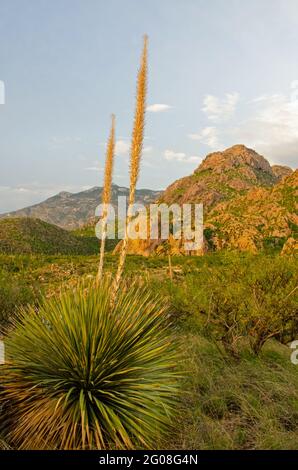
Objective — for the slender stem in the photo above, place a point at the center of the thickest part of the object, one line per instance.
(106, 196)
(135, 158)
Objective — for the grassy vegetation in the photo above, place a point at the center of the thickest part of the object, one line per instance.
(251, 403)
(14, 293)
(240, 401)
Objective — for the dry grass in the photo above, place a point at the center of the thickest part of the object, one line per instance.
(231, 405)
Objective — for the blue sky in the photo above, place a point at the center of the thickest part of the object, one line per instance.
(224, 71)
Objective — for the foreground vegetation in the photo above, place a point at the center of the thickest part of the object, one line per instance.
(251, 403)
(235, 396)
(98, 375)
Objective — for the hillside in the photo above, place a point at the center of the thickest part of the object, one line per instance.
(32, 236)
(73, 210)
(248, 205)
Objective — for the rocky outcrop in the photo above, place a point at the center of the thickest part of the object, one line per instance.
(234, 157)
(261, 217)
(248, 206)
(281, 171)
(222, 176)
(290, 247)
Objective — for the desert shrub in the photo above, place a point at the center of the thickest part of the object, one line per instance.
(83, 376)
(223, 313)
(241, 297)
(213, 296)
(257, 301)
(271, 301)
(14, 293)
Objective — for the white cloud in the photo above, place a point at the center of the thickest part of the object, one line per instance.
(269, 125)
(22, 190)
(218, 109)
(271, 128)
(147, 149)
(194, 158)
(171, 155)
(58, 141)
(158, 108)
(148, 164)
(122, 147)
(207, 136)
(95, 167)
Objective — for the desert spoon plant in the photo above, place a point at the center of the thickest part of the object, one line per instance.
(78, 377)
(91, 369)
(106, 195)
(135, 156)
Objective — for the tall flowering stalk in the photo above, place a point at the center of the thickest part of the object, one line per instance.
(135, 156)
(106, 195)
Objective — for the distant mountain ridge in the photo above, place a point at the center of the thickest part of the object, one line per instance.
(74, 210)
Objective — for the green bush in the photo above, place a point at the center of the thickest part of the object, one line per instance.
(81, 375)
(241, 297)
(271, 302)
(14, 293)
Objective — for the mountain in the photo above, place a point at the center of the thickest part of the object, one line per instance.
(73, 210)
(28, 236)
(248, 205)
(222, 176)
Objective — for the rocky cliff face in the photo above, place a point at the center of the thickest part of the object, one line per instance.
(261, 217)
(248, 205)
